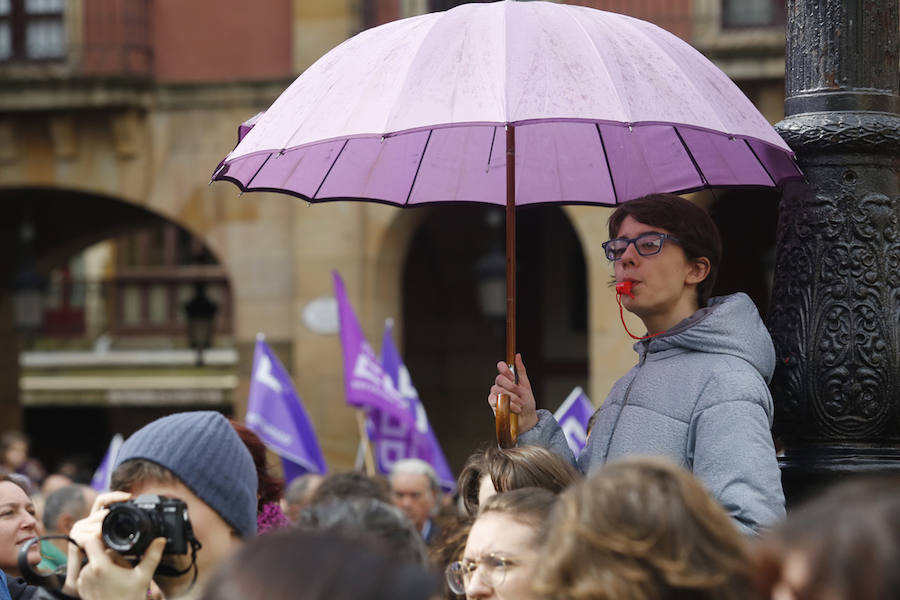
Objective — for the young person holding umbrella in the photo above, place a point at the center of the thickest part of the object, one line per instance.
(698, 393)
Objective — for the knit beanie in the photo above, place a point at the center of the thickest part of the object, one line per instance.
(203, 450)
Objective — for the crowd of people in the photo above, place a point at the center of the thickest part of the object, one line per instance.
(677, 493)
(523, 524)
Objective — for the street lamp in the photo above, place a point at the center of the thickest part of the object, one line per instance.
(28, 288)
(201, 314)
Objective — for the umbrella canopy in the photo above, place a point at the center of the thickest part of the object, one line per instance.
(592, 107)
(606, 108)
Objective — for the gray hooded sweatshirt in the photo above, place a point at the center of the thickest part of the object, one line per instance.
(698, 396)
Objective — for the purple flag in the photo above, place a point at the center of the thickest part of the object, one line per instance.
(100, 480)
(395, 440)
(573, 416)
(276, 414)
(365, 381)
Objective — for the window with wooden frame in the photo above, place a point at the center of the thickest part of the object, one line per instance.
(32, 30)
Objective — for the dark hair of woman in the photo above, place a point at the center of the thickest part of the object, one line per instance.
(318, 565)
(695, 230)
(270, 488)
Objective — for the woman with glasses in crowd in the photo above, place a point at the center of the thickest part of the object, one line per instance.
(503, 546)
(698, 393)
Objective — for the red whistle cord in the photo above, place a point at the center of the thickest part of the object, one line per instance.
(624, 287)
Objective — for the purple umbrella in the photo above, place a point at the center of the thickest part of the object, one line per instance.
(592, 107)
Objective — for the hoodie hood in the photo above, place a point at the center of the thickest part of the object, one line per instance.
(728, 325)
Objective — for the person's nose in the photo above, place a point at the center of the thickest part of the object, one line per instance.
(630, 256)
(28, 522)
(478, 587)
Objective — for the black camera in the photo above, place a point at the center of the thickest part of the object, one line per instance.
(130, 526)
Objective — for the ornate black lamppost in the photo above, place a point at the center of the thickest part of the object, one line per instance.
(835, 315)
(201, 318)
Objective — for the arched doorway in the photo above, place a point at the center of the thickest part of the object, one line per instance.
(451, 347)
(110, 351)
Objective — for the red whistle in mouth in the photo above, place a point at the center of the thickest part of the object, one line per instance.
(624, 287)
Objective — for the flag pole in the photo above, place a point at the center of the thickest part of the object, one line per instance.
(364, 440)
(506, 421)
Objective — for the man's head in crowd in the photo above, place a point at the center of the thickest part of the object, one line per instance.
(299, 493)
(54, 482)
(319, 565)
(65, 506)
(369, 517)
(13, 450)
(349, 484)
(198, 458)
(414, 490)
(18, 525)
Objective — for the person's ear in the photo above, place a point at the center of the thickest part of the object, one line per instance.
(64, 523)
(698, 271)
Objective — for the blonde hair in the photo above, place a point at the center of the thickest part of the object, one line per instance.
(642, 529)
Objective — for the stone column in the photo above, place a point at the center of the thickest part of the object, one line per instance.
(835, 315)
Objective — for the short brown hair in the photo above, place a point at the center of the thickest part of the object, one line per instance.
(529, 505)
(642, 529)
(514, 468)
(697, 233)
(138, 470)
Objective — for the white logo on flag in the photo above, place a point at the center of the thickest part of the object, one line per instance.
(574, 431)
(264, 374)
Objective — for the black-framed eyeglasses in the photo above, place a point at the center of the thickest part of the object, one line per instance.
(646, 244)
(493, 572)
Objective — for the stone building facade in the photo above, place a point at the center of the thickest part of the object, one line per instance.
(127, 123)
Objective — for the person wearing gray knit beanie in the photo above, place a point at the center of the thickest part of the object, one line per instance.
(195, 457)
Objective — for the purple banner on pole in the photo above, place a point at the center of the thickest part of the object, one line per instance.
(395, 440)
(365, 381)
(573, 416)
(100, 480)
(276, 414)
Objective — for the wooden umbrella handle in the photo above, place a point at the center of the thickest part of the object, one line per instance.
(507, 422)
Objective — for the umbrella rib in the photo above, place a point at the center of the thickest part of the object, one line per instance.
(691, 156)
(249, 181)
(419, 166)
(334, 162)
(761, 163)
(612, 181)
(491, 151)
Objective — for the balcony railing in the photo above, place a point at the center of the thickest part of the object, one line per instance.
(117, 38)
(77, 313)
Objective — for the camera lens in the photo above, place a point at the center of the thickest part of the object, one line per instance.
(127, 530)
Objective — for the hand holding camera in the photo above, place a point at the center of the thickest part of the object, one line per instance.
(124, 540)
